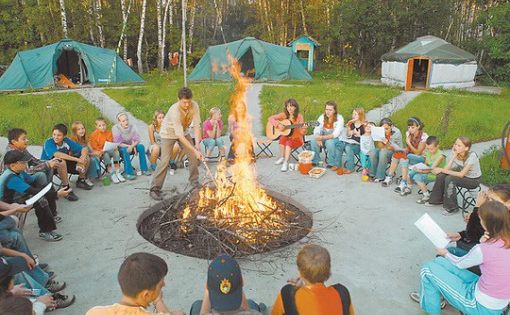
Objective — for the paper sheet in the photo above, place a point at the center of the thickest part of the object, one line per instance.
(110, 146)
(432, 231)
(39, 195)
(420, 166)
(378, 133)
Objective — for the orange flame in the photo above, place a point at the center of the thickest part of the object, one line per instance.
(239, 201)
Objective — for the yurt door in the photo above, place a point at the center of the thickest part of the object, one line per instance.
(418, 71)
(409, 76)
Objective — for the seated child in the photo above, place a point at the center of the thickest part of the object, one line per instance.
(366, 146)
(308, 294)
(18, 186)
(224, 291)
(433, 158)
(155, 138)
(128, 137)
(74, 155)
(141, 278)
(465, 291)
(212, 133)
(381, 156)
(110, 158)
(79, 135)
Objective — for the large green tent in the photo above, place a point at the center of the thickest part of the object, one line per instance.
(261, 60)
(36, 68)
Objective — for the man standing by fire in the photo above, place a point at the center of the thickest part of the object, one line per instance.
(175, 127)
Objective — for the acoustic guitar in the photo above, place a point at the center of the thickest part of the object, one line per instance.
(272, 132)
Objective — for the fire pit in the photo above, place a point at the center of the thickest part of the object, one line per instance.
(232, 213)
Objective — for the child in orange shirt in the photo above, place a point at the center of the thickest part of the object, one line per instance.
(308, 294)
(97, 140)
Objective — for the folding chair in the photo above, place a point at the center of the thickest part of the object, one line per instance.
(264, 145)
(467, 196)
(295, 152)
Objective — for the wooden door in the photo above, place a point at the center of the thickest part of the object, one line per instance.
(409, 76)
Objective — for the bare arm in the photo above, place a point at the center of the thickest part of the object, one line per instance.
(67, 157)
(151, 134)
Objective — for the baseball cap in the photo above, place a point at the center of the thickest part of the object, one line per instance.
(14, 156)
(225, 284)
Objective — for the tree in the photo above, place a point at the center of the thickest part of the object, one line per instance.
(63, 17)
(140, 38)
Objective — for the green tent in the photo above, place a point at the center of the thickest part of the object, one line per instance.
(34, 69)
(261, 60)
(437, 49)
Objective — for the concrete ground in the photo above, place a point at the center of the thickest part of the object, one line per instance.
(376, 250)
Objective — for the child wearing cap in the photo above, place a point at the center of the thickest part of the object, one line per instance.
(224, 291)
(308, 294)
(17, 186)
(141, 278)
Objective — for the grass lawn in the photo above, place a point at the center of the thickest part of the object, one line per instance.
(449, 115)
(160, 91)
(38, 113)
(491, 172)
(312, 96)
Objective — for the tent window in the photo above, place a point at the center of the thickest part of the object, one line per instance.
(420, 71)
(247, 64)
(72, 66)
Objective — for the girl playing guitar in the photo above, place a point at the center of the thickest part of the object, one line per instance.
(295, 139)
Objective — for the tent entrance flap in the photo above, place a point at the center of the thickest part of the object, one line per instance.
(70, 64)
(247, 64)
(418, 73)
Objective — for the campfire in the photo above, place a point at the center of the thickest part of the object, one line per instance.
(231, 213)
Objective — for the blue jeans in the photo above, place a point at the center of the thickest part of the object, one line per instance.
(94, 170)
(441, 277)
(32, 279)
(411, 160)
(210, 143)
(364, 160)
(331, 147)
(140, 150)
(351, 150)
(13, 238)
(379, 160)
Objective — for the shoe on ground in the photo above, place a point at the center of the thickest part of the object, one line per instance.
(334, 168)
(448, 212)
(120, 177)
(55, 286)
(44, 267)
(114, 178)
(285, 167)
(51, 275)
(347, 172)
(50, 236)
(89, 182)
(156, 195)
(82, 183)
(405, 191)
(428, 204)
(171, 171)
(147, 173)
(415, 296)
(422, 200)
(378, 180)
(57, 219)
(130, 177)
(399, 188)
(387, 181)
(279, 161)
(63, 301)
(72, 196)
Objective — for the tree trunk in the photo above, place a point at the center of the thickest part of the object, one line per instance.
(165, 18)
(123, 35)
(183, 37)
(140, 38)
(63, 17)
(160, 34)
(303, 20)
(97, 9)
(191, 25)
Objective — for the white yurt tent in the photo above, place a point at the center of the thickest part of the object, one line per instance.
(429, 62)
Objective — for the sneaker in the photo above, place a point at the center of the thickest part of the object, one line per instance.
(285, 167)
(156, 195)
(171, 171)
(51, 275)
(114, 178)
(89, 182)
(405, 191)
(44, 267)
(415, 296)
(279, 161)
(147, 173)
(448, 212)
(130, 177)
(173, 166)
(63, 301)
(50, 236)
(377, 180)
(399, 188)
(72, 196)
(55, 286)
(428, 204)
(81, 183)
(120, 177)
(57, 219)
(422, 200)
(387, 181)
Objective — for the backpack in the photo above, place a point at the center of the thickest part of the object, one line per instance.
(288, 293)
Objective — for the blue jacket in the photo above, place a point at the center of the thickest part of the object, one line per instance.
(68, 147)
